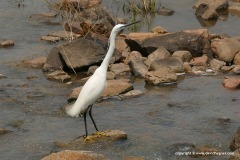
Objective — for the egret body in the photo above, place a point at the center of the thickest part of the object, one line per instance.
(95, 85)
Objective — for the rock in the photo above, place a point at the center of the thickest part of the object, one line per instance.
(131, 94)
(234, 9)
(203, 150)
(216, 64)
(6, 43)
(4, 131)
(50, 38)
(226, 69)
(231, 83)
(165, 11)
(113, 88)
(54, 61)
(2, 76)
(171, 63)
(59, 76)
(235, 142)
(97, 19)
(199, 61)
(210, 9)
(141, 36)
(120, 70)
(158, 77)
(224, 120)
(82, 53)
(187, 67)
(159, 30)
(194, 41)
(126, 53)
(109, 136)
(236, 69)
(133, 158)
(236, 59)
(98, 38)
(64, 35)
(91, 70)
(134, 55)
(75, 155)
(226, 49)
(34, 63)
(120, 44)
(158, 54)
(47, 18)
(184, 56)
(110, 75)
(236, 155)
(74, 27)
(138, 68)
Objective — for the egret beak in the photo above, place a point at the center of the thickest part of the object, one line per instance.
(126, 25)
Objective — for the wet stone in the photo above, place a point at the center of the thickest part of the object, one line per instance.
(2, 76)
(131, 94)
(75, 155)
(59, 75)
(4, 131)
(34, 63)
(108, 135)
(6, 43)
(50, 38)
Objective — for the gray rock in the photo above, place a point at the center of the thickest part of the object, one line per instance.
(120, 70)
(75, 155)
(235, 142)
(138, 68)
(209, 9)
(131, 94)
(91, 70)
(193, 41)
(216, 64)
(161, 76)
(110, 75)
(50, 38)
(159, 53)
(184, 56)
(82, 53)
(54, 61)
(165, 11)
(132, 56)
(171, 63)
(34, 63)
(226, 49)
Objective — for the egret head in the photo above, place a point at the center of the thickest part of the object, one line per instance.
(120, 27)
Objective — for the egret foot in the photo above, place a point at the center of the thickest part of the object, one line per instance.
(88, 138)
(99, 134)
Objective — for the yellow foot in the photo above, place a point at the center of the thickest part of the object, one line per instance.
(88, 138)
(99, 134)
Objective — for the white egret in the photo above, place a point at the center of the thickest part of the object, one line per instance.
(95, 85)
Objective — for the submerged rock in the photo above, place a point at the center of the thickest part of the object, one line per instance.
(75, 155)
(4, 131)
(34, 63)
(235, 142)
(6, 43)
(50, 38)
(59, 76)
(131, 94)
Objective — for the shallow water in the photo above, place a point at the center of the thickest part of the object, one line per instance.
(165, 115)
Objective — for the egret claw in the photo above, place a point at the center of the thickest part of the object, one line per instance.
(88, 138)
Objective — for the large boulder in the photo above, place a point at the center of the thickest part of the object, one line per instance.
(75, 155)
(226, 49)
(210, 9)
(82, 53)
(194, 41)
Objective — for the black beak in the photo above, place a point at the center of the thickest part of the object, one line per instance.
(126, 25)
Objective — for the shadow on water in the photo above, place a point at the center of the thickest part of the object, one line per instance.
(163, 119)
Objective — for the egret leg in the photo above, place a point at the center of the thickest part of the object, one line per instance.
(90, 114)
(85, 122)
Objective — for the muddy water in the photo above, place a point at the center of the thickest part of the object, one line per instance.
(166, 115)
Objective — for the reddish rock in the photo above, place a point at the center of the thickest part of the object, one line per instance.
(120, 44)
(231, 83)
(140, 36)
(159, 30)
(199, 61)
